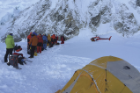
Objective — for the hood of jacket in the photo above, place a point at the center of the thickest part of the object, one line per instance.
(9, 36)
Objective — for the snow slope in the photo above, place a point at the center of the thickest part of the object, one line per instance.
(7, 6)
(53, 68)
(66, 17)
(12, 8)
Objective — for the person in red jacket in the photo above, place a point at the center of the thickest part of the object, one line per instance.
(53, 39)
(28, 40)
(56, 38)
(62, 39)
(40, 43)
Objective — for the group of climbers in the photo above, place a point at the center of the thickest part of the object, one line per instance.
(40, 42)
(35, 43)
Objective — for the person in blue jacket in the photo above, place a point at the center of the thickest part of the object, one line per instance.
(45, 40)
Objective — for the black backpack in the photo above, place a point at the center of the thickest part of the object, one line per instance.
(13, 60)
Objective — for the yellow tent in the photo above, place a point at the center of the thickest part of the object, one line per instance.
(104, 75)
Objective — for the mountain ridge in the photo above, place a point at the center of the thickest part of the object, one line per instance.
(66, 17)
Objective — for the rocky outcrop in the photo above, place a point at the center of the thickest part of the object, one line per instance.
(102, 14)
(138, 3)
(41, 19)
(125, 22)
(66, 20)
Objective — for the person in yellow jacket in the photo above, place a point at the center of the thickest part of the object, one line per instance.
(49, 39)
(10, 44)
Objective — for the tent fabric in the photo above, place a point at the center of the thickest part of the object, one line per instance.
(104, 75)
(126, 73)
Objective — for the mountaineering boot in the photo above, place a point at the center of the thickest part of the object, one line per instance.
(8, 63)
(30, 57)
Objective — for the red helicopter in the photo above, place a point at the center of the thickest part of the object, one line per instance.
(98, 38)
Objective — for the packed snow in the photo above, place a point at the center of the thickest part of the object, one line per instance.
(50, 70)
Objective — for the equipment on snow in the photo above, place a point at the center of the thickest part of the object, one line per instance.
(98, 38)
(25, 59)
(57, 43)
(13, 60)
(17, 48)
(50, 45)
(16, 58)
